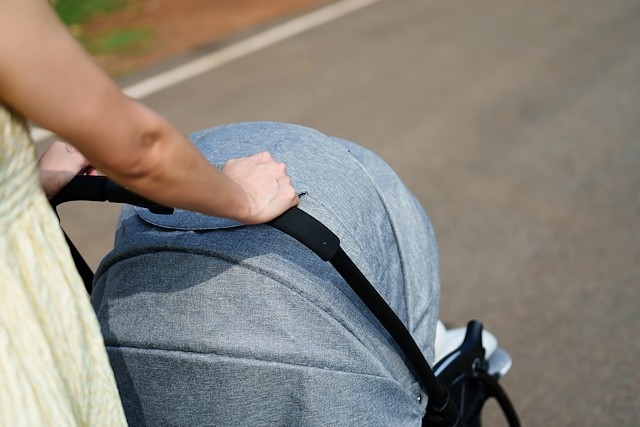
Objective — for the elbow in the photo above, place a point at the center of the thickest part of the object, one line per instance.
(139, 161)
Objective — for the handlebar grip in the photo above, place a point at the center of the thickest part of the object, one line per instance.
(102, 189)
(81, 188)
(294, 222)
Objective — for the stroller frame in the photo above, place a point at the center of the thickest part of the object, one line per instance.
(457, 386)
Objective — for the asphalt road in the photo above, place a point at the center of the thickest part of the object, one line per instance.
(517, 125)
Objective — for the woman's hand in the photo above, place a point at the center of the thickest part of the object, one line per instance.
(59, 164)
(266, 184)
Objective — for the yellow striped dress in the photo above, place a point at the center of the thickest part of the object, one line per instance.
(54, 370)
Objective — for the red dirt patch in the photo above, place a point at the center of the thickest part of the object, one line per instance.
(180, 25)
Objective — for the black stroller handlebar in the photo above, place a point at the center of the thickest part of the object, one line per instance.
(103, 189)
(294, 222)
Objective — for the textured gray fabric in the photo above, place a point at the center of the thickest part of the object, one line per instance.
(209, 322)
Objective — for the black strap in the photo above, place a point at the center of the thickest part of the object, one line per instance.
(81, 265)
(317, 237)
(308, 231)
(391, 322)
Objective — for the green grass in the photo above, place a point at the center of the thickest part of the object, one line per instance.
(74, 12)
(124, 40)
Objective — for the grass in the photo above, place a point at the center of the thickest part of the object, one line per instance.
(124, 40)
(75, 13)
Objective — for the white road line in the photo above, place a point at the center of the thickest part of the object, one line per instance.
(235, 51)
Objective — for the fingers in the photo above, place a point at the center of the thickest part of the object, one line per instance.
(91, 171)
(266, 183)
(284, 195)
(61, 156)
(58, 165)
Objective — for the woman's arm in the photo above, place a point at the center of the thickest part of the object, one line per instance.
(46, 76)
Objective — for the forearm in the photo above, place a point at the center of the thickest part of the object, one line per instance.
(153, 159)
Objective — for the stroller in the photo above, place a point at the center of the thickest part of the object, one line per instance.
(468, 362)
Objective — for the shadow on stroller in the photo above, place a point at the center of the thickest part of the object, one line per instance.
(469, 362)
